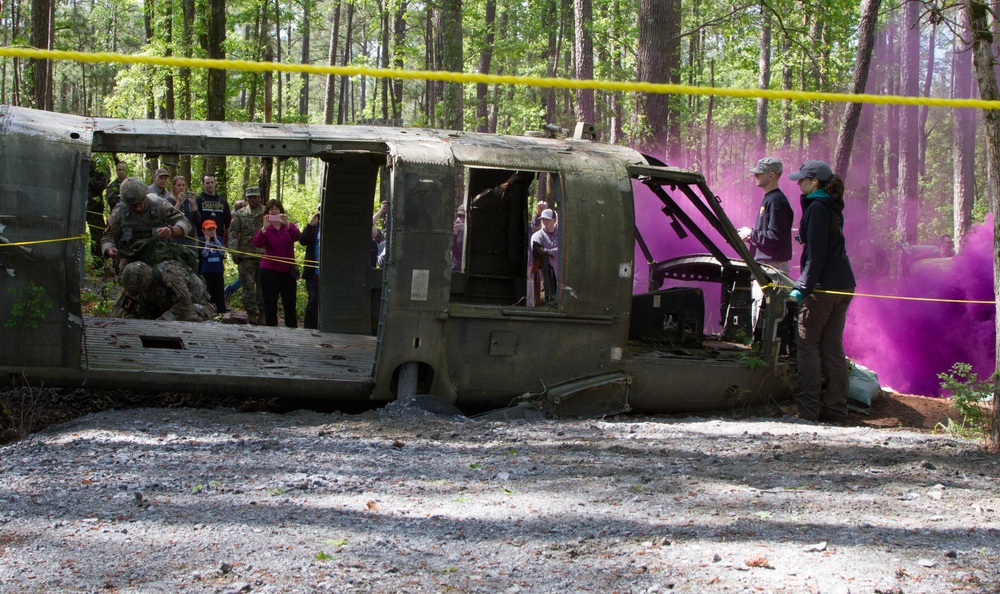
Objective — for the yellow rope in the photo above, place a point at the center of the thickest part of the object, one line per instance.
(19, 243)
(467, 78)
(897, 297)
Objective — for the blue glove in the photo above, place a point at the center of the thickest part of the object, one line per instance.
(795, 295)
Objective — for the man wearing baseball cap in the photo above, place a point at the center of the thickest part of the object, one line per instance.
(770, 240)
(159, 185)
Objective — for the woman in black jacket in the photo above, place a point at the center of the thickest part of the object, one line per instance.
(823, 291)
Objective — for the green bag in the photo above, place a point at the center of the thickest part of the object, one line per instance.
(152, 251)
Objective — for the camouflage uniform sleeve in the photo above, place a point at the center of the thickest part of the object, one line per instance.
(234, 237)
(175, 279)
(113, 232)
(171, 216)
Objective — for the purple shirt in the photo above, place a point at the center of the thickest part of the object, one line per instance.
(279, 243)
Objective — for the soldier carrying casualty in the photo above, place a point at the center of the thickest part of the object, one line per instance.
(169, 290)
(138, 216)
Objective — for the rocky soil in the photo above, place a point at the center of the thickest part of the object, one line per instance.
(153, 496)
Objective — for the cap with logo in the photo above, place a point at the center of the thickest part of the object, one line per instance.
(252, 191)
(209, 224)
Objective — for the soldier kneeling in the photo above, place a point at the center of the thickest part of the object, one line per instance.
(166, 291)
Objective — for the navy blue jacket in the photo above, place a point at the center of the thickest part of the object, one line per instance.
(772, 232)
(824, 255)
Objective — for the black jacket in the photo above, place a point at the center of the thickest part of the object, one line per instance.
(308, 239)
(771, 237)
(824, 255)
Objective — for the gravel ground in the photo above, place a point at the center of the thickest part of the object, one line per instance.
(396, 500)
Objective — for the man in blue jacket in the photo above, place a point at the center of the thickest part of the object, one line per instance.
(770, 240)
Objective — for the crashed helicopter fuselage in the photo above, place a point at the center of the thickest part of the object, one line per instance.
(464, 318)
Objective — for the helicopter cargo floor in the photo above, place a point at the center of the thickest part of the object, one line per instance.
(153, 355)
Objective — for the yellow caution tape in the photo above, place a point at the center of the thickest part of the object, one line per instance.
(897, 297)
(19, 243)
(468, 78)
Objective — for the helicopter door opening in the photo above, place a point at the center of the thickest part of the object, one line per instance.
(494, 258)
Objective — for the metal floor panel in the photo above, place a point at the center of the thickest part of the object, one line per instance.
(214, 357)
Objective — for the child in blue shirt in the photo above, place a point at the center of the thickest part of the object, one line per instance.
(212, 266)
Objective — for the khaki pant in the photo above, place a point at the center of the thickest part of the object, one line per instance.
(253, 302)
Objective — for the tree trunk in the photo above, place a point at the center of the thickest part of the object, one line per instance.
(550, 21)
(583, 52)
(859, 81)
(963, 133)
(215, 92)
(384, 59)
(304, 91)
(331, 89)
(41, 76)
(344, 81)
(906, 220)
(657, 21)
(452, 59)
(169, 106)
(277, 58)
(485, 61)
(922, 125)
(764, 79)
(983, 59)
(398, 44)
(786, 85)
(148, 8)
(892, 117)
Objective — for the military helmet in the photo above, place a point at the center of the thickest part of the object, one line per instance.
(137, 277)
(133, 191)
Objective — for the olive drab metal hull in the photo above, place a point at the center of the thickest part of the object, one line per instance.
(461, 307)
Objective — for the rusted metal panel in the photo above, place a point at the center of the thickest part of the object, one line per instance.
(156, 355)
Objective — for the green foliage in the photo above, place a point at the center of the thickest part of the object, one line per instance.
(28, 306)
(752, 361)
(970, 396)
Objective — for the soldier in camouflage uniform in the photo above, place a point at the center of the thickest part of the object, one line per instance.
(113, 194)
(141, 216)
(167, 291)
(247, 258)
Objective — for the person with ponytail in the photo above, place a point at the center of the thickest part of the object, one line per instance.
(824, 292)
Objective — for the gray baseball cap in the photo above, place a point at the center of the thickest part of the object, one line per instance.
(768, 165)
(814, 169)
(161, 171)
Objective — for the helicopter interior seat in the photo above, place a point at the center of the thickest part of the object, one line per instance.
(674, 316)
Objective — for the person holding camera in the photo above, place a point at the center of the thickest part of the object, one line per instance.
(278, 272)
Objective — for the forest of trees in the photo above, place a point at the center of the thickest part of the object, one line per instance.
(921, 171)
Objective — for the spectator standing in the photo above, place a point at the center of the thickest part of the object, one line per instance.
(159, 185)
(545, 259)
(186, 202)
(277, 237)
(246, 256)
(212, 266)
(310, 273)
(823, 291)
(212, 206)
(770, 240)
(112, 195)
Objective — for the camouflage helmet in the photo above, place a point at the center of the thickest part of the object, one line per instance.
(136, 277)
(133, 191)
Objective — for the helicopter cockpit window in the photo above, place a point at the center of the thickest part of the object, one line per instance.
(494, 257)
